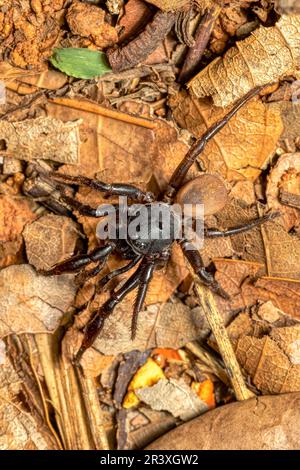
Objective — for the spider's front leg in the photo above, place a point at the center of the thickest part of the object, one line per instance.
(113, 189)
(78, 262)
(195, 260)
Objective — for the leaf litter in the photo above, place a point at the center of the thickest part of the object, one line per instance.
(135, 126)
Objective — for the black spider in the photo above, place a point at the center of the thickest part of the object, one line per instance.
(149, 251)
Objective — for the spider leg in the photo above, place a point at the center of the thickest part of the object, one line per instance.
(198, 147)
(118, 189)
(197, 264)
(96, 323)
(75, 263)
(117, 272)
(145, 280)
(214, 233)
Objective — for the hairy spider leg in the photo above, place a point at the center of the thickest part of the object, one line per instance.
(117, 272)
(75, 263)
(144, 282)
(181, 171)
(114, 189)
(214, 233)
(195, 260)
(96, 323)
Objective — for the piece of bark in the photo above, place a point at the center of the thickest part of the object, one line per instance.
(262, 423)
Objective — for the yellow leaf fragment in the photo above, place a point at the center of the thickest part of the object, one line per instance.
(267, 55)
(149, 374)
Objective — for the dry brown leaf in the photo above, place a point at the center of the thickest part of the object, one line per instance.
(169, 325)
(26, 140)
(49, 240)
(242, 281)
(19, 428)
(249, 245)
(282, 251)
(284, 175)
(174, 396)
(244, 147)
(270, 53)
(32, 303)
(271, 358)
(15, 213)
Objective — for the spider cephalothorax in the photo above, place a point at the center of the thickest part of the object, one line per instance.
(159, 225)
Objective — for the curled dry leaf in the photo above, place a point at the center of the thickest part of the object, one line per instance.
(245, 284)
(285, 176)
(49, 240)
(267, 423)
(174, 396)
(271, 358)
(89, 21)
(270, 53)
(19, 429)
(44, 138)
(15, 213)
(170, 325)
(244, 147)
(32, 303)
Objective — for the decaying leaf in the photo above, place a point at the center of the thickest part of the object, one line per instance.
(282, 252)
(244, 147)
(15, 213)
(32, 303)
(267, 423)
(20, 429)
(285, 176)
(149, 374)
(170, 325)
(270, 53)
(174, 396)
(44, 138)
(246, 286)
(49, 240)
(269, 354)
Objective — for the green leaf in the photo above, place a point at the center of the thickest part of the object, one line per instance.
(80, 63)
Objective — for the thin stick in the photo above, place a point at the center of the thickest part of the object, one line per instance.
(195, 53)
(216, 324)
(94, 108)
